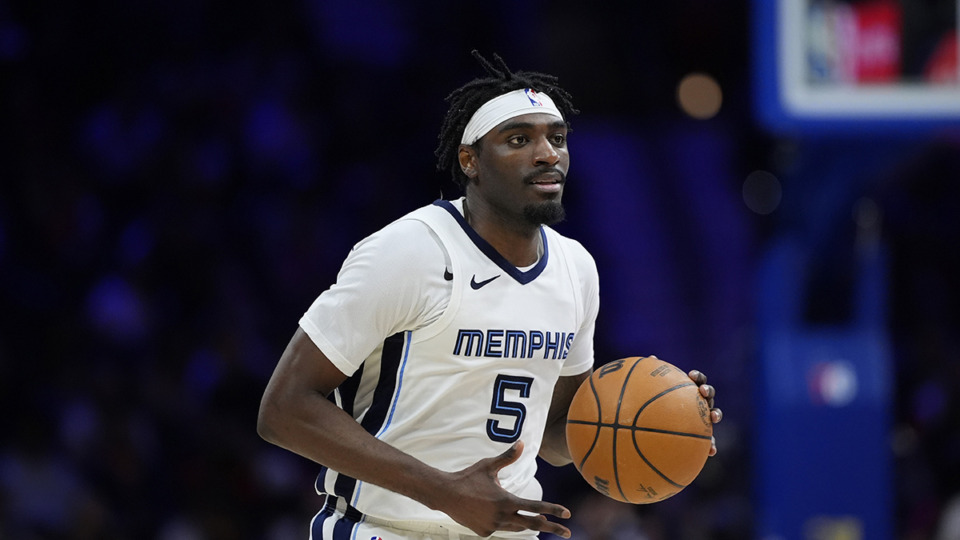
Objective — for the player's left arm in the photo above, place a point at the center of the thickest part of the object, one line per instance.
(709, 393)
(554, 448)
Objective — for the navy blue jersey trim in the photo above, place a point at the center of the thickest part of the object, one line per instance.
(390, 362)
(353, 514)
(348, 391)
(348, 397)
(316, 526)
(522, 277)
(319, 484)
(344, 486)
(343, 528)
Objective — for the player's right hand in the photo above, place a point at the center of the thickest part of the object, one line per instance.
(480, 504)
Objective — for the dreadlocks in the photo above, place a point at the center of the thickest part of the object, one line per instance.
(465, 101)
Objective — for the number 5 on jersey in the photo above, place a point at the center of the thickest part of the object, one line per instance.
(505, 407)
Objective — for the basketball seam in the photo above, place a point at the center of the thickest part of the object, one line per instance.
(668, 432)
(634, 439)
(654, 469)
(658, 396)
(596, 435)
(616, 417)
(638, 428)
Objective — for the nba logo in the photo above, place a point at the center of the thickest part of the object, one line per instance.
(375, 538)
(532, 96)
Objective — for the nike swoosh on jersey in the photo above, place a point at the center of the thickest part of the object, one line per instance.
(476, 285)
(447, 275)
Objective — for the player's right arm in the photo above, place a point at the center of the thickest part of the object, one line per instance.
(295, 414)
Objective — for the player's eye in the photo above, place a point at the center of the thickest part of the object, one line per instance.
(518, 139)
(559, 139)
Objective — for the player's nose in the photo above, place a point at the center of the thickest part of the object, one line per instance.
(545, 153)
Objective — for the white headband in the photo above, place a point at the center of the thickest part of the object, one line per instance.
(505, 107)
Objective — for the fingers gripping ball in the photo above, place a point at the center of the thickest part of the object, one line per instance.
(638, 430)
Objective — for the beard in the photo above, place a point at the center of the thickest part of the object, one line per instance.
(545, 213)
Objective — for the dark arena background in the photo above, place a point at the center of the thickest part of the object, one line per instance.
(771, 190)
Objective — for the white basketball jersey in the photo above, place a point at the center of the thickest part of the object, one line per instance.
(481, 376)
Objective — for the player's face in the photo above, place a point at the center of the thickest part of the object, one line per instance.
(521, 169)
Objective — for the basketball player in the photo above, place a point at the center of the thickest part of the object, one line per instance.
(452, 341)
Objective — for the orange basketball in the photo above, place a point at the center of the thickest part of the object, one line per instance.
(638, 430)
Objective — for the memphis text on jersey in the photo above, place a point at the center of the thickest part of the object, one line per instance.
(513, 344)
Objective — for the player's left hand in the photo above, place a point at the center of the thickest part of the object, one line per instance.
(709, 393)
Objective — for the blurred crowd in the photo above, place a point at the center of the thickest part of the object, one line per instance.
(179, 180)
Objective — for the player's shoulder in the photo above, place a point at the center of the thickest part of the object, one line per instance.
(415, 222)
(581, 263)
(408, 239)
(425, 217)
(572, 249)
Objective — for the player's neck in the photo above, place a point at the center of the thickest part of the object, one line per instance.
(519, 243)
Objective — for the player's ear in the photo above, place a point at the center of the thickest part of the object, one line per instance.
(467, 156)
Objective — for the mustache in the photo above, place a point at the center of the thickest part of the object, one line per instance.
(544, 171)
